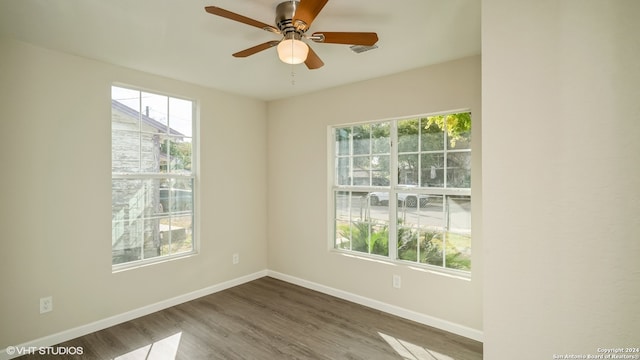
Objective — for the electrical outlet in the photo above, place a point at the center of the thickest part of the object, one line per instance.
(46, 304)
(397, 281)
(236, 258)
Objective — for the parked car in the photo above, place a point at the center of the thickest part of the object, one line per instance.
(181, 199)
(408, 200)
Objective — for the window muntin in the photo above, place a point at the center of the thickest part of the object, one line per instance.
(431, 207)
(153, 177)
(435, 230)
(359, 227)
(435, 151)
(362, 155)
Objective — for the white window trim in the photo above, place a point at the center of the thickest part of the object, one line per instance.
(394, 189)
(195, 175)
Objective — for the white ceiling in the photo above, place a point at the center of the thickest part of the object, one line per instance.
(178, 39)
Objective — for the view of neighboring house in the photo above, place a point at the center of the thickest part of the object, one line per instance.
(138, 145)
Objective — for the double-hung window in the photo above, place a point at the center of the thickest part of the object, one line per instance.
(152, 176)
(402, 189)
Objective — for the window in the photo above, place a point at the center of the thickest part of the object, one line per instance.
(152, 177)
(419, 212)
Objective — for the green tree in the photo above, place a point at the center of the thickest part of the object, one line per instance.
(179, 154)
(428, 135)
(457, 126)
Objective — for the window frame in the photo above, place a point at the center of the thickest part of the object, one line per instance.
(394, 188)
(191, 176)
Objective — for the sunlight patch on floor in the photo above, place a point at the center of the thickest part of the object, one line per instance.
(410, 351)
(166, 348)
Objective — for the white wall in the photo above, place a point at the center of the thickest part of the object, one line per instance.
(56, 193)
(297, 218)
(561, 130)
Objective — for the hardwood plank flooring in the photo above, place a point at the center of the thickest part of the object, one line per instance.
(272, 319)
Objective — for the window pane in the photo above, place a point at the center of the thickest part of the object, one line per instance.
(343, 172)
(151, 146)
(408, 131)
(380, 170)
(180, 155)
(359, 206)
(152, 237)
(458, 251)
(176, 235)
(362, 139)
(458, 236)
(378, 198)
(371, 238)
(359, 236)
(377, 210)
(126, 244)
(380, 135)
(379, 239)
(127, 199)
(420, 218)
(431, 249)
(408, 222)
(432, 137)
(176, 196)
(143, 211)
(362, 170)
(164, 159)
(127, 97)
(125, 149)
(362, 222)
(459, 130)
(154, 112)
(420, 210)
(342, 141)
(432, 172)
(407, 244)
(408, 169)
(343, 235)
(459, 213)
(459, 170)
(132, 205)
(180, 117)
(342, 203)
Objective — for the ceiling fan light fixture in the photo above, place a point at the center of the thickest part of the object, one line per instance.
(293, 51)
(293, 19)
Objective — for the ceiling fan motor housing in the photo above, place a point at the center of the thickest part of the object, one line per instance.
(284, 20)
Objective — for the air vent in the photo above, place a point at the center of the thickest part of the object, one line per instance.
(362, 48)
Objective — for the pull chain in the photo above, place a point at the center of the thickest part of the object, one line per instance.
(293, 74)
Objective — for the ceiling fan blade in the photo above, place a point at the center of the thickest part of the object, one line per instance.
(237, 17)
(349, 38)
(313, 60)
(256, 49)
(306, 12)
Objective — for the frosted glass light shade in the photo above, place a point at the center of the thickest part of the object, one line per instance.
(292, 51)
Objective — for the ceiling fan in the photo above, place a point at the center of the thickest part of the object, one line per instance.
(293, 19)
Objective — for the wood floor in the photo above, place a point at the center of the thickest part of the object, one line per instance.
(271, 319)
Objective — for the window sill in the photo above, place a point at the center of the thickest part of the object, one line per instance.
(118, 268)
(451, 273)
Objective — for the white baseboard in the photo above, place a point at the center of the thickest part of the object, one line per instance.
(146, 310)
(129, 315)
(378, 305)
